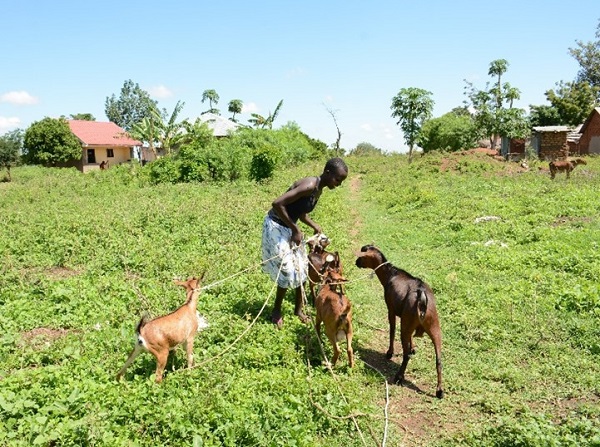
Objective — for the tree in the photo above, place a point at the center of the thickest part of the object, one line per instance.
(588, 57)
(333, 114)
(543, 115)
(262, 122)
(273, 116)
(212, 97)
(132, 106)
(159, 132)
(494, 112)
(573, 101)
(451, 132)
(365, 148)
(412, 106)
(82, 116)
(235, 106)
(11, 144)
(49, 142)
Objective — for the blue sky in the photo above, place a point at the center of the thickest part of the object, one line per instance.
(65, 57)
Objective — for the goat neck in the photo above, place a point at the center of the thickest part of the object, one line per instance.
(384, 272)
(192, 297)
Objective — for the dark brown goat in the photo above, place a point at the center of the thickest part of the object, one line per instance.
(565, 166)
(335, 311)
(318, 259)
(413, 301)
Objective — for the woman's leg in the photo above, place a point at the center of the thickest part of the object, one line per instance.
(276, 314)
(299, 306)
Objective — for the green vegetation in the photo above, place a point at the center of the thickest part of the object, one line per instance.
(518, 294)
(50, 142)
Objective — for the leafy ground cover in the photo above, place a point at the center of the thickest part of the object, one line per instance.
(518, 293)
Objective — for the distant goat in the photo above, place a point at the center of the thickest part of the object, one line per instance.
(413, 301)
(335, 311)
(318, 258)
(565, 166)
(163, 334)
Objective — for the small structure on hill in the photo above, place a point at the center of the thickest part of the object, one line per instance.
(548, 141)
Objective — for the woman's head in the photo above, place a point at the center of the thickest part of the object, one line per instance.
(334, 173)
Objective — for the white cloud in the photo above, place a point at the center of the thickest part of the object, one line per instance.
(250, 107)
(366, 127)
(160, 91)
(295, 72)
(19, 98)
(9, 123)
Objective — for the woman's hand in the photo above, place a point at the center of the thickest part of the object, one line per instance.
(296, 238)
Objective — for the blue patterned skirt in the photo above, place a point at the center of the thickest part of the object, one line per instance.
(278, 254)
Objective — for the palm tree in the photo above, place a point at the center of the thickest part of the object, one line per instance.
(212, 97)
(171, 135)
(158, 132)
(235, 106)
(412, 106)
(272, 116)
(257, 120)
(262, 122)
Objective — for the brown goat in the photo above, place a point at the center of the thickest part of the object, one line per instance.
(413, 301)
(163, 334)
(318, 259)
(565, 166)
(335, 311)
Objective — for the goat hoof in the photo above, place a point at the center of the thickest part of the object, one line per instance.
(398, 380)
(439, 394)
(389, 354)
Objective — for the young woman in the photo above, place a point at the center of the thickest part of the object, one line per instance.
(282, 240)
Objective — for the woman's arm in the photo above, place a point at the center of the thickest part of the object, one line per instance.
(301, 188)
(305, 218)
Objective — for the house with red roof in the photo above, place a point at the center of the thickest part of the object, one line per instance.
(586, 139)
(103, 144)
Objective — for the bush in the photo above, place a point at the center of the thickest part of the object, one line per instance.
(164, 170)
(264, 161)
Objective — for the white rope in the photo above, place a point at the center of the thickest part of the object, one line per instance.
(221, 281)
(387, 402)
(245, 331)
(329, 368)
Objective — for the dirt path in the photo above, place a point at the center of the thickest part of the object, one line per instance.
(417, 417)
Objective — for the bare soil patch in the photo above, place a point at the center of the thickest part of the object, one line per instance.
(42, 337)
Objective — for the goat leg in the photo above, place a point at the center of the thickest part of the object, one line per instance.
(392, 322)
(349, 348)
(161, 362)
(189, 350)
(406, 336)
(138, 348)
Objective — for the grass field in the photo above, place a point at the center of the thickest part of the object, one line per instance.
(518, 295)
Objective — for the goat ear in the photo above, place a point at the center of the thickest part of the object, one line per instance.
(178, 282)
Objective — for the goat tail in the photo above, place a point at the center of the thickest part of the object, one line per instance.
(421, 303)
(344, 315)
(145, 318)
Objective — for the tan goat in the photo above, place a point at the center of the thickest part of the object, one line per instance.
(163, 334)
(565, 166)
(318, 259)
(335, 311)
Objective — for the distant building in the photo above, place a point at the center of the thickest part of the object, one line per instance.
(586, 138)
(102, 143)
(221, 127)
(548, 141)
